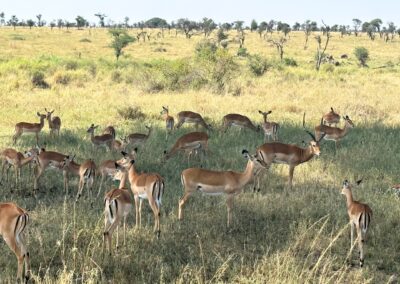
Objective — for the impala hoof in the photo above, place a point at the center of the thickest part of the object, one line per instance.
(361, 262)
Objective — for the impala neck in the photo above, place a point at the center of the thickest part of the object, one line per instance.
(41, 122)
(306, 154)
(50, 121)
(349, 198)
(123, 180)
(26, 160)
(74, 167)
(247, 175)
(345, 129)
(148, 134)
(132, 173)
(265, 118)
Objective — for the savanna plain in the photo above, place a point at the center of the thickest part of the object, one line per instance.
(279, 234)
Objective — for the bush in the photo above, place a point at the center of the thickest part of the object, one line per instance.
(362, 55)
(37, 79)
(222, 71)
(160, 49)
(257, 64)
(62, 78)
(289, 62)
(131, 113)
(17, 37)
(71, 65)
(206, 50)
(85, 40)
(116, 76)
(224, 43)
(242, 51)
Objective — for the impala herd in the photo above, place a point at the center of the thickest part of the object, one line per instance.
(151, 186)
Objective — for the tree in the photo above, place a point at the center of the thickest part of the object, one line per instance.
(13, 21)
(126, 22)
(279, 45)
(262, 27)
(270, 26)
(356, 25)
(156, 23)
(221, 35)
(253, 25)
(362, 55)
(238, 25)
(2, 18)
(342, 30)
(120, 40)
(60, 23)
(81, 22)
(30, 23)
(208, 26)
(321, 50)
(39, 20)
(101, 19)
(186, 26)
(52, 24)
(376, 23)
(285, 29)
(391, 29)
(307, 28)
(226, 26)
(296, 26)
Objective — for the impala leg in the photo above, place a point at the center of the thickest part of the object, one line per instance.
(16, 136)
(37, 138)
(101, 184)
(19, 251)
(156, 213)
(182, 202)
(39, 172)
(124, 231)
(229, 204)
(66, 183)
(80, 188)
(179, 124)
(16, 175)
(360, 245)
(291, 172)
(136, 198)
(110, 232)
(140, 212)
(351, 234)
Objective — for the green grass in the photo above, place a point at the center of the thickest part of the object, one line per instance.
(279, 235)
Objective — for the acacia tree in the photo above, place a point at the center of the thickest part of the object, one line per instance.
(208, 25)
(101, 19)
(81, 22)
(321, 50)
(376, 23)
(306, 27)
(253, 25)
(356, 25)
(39, 20)
(186, 26)
(60, 23)
(262, 27)
(120, 40)
(279, 44)
(296, 26)
(126, 22)
(2, 18)
(13, 21)
(30, 23)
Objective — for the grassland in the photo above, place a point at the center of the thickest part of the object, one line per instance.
(279, 235)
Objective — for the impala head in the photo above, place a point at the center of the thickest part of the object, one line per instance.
(126, 158)
(347, 186)
(164, 110)
(42, 116)
(314, 143)
(256, 162)
(263, 113)
(49, 113)
(348, 121)
(149, 127)
(67, 160)
(120, 170)
(92, 128)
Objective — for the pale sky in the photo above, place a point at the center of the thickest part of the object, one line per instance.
(290, 11)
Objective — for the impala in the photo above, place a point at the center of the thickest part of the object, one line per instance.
(54, 123)
(190, 142)
(146, 186)
(211, 182)
(118, 145)
(13, 223)
(234, 119)
(360, 215)
(108, 169)
(331, 118)
(291, 155)
(192, 117)
(270, 128)
(169, 121)
(49, 159)
(110, 130)
(11, 157)
(334, 133)
(86, 172)
(118, 204)
(26, 127)
(136, 139)
(104, 139)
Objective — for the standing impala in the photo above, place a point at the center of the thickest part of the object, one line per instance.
(107, 168)
(86, 172)
(49, 159)
(291, 155)
(98, 140)
(136, 139)
(211, 182)
(331, 118)
(26, 127)
(234, 119)
(11, 157)
(189, 143)
(169, 121)
(270, 128)
(118, 204)
(360, 215)
(146, 186)
(54, 123)
(192, 117)
(334, 133)
(13, 223)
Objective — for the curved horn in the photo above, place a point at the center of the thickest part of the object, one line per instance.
(322, 137)
(304, 127)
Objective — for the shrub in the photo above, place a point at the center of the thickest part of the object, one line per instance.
(37, 79)
(71, 65)
(131, 113)
(242, 51)
(17, 37)
(85, 40)
(224, 43)
(222, 71)
(290, 62)
(160, 49)
(206, 50)
(257, 64)
(362, 55)
(62, 78)
(116, 76)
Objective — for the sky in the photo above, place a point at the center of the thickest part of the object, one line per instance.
(290, 11)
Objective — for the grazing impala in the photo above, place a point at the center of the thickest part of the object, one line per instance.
(270, 128)
(11, 157)
(210, 182)
(13, 223)
(86, 172)
(291, 155)
(169, 121)
(334, 133)
(104, 139)
(190, 142)
(108, 169)
(192, 117)
(26, 127)
(49, 159)
(136, 139)
(234, 119)
(146, 186)
(118, 204)
(331, 118)
(360, 215)
(54, 123)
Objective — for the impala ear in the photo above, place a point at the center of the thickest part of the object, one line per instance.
(270, 112)
(359, 181)
(136, 149)
(73, 157)
(117, 166)
(123, 153)
(332, 109)
(246, 154)
(165, 152)
(132, 162)
(52, 111)
(38, 114)
(260, 112)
